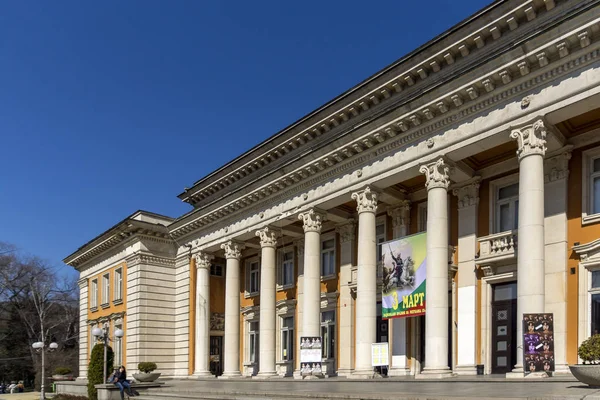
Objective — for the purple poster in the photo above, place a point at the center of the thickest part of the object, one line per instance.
(538, 343)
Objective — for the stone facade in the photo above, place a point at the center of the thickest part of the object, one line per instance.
(487, 138)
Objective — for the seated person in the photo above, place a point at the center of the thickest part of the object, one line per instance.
(119, 378)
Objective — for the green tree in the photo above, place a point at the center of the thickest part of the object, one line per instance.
(95, 372)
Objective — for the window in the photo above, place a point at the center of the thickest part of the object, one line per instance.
(422, 217)
(94, 294)
(328, 334)
(507, 208)
(118, 346)
(287, 338)
(380, 236)
(216, 270)
(328, 257)
(252, 277)
(105, 289)
(118, 294)
(595, 302)
(287, 268)
(253, 341)
(595, 185)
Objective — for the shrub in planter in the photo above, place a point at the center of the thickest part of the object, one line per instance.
(62, 371)
(146, 367)
(95, 372)
(589, 371)
(146, 374)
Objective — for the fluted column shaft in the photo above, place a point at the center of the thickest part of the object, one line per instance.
(436, 316)
(366, 293)
(233, 253)
(311, 321)
(201, 364)
(530, 251)
(268, 241)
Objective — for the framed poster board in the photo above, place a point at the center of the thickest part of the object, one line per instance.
(380, 355)
(538, 343)
(310, 355)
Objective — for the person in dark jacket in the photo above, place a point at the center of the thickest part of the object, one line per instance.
(120, 381)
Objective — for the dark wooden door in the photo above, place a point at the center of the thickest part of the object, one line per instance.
(504, 335)
(216, 355)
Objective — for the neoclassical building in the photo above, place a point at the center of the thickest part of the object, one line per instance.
(487, 137)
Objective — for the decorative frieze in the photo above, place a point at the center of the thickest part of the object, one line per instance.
(468, 195)
(233, 249)
(217, 321)
(436, 174)
(347, 231)
(268, 236)
(366, 200)
(312, 220)
(531, 139)
(557, 168)
(203, 260)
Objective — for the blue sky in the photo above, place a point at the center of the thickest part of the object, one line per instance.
(107, 107)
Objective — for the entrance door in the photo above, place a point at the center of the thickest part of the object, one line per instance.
(216, 355)
(504, 327)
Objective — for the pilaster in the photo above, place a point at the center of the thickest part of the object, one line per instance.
(347, 234)
(84, 346)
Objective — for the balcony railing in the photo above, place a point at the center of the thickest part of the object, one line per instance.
(497, 247)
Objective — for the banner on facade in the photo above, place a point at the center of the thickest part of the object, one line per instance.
(404, 264)
(310, 355)
(538, 342)
(380, 355)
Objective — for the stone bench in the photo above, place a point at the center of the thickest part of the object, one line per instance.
(108, 391)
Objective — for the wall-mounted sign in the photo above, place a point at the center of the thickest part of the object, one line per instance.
(538, 342)
(404, 263)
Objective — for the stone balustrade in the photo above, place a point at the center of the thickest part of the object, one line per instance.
(497, 247)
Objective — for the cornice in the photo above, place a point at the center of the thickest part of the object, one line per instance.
(424, 65)
(533, 69)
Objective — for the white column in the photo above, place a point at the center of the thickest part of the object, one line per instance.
(468, 201)
(556, 253)
(268, 241)
(201, 365)
(366, 293)
(84, 346)
(397, 326)
(233, 253)
(530, 251)
(347, 261)
(436, 316)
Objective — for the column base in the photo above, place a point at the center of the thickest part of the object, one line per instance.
(267, 375)
(561, 370)
(232, 375)
(344, 372)
(202, 375)
(435, 373)
(399, 371)
(364, 374)
(466, 370)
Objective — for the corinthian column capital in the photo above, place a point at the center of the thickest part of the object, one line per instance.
(346, 231)
(313, 220)
(233, 249)
(366, 200)
(203, 260)
(436, 174)
(268, 236)
(468, 195)
(531, 139)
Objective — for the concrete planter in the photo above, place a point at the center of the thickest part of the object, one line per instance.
(586, 373)
(146, 377)
(62, 377)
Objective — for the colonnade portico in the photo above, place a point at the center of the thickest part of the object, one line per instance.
(202, 320)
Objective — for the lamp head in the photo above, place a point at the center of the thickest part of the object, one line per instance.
(37, 345)
(119, 333)
(97, 332)
(53, 346)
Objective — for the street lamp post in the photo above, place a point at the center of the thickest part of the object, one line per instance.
(39, 348)
(102, 334)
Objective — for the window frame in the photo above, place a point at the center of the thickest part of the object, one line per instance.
(105, 290)
(215, 268)
(495, 186)
(291, 342)
(422, 217)
(118, 286)
(118, 353)
(328, 345)
(94, 294)
(251, 358)
(325, 238)
(587, 187)
(281, 263)
(248, 292)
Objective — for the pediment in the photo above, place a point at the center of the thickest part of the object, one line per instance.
(589, 253)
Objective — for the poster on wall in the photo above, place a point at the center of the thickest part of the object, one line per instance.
(404, 263)
(310, 355)
(538, 343)
(380, 355)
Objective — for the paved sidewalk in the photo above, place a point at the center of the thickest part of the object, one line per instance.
(381, 389)
(21, 396)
